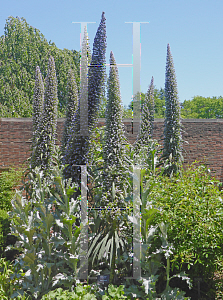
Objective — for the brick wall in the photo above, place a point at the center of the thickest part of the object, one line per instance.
(204, 137)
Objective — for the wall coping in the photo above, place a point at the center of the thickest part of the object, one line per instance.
(124, 120)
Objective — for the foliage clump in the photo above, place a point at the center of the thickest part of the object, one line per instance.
(9, 181)
(22, 48)
(44, 222)
(192, 205)
(202, 108)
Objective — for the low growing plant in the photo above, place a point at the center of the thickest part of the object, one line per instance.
(114, 292)
(48, 237)
(7, 285)
(80, 292)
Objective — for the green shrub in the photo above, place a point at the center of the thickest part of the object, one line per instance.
(5, 272)
(8, 182)
(114, 293)
(192, 205)
(4, 229)
(7, 285)
(80, 293)
(48, 239)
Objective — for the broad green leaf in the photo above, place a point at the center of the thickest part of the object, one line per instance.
(102, 250)
(30, 258)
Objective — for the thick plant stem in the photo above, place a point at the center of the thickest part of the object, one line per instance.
(112, 272)
(167, 273)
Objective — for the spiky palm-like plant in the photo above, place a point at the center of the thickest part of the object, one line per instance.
(172, 149)
(146, 126)
(77, 149)
(48, 125)
(72, 100)
(38, 101)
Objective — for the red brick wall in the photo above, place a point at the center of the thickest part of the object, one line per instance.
(205, 138)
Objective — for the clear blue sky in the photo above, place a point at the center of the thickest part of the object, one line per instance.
(193, 28)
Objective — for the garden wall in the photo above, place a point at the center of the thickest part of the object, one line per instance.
(204, 137)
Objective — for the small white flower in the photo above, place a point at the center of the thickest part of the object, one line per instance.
(60, 224)
(39, 267)
(28, 273)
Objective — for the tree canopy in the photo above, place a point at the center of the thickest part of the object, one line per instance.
(22, 48)
(159, 104)
(202, 108)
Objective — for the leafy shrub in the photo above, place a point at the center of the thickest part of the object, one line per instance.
(114, 293)
(8, 181)
(192, 205)
(7, 285)
(80, 293)
(4, 229)
(48, 238)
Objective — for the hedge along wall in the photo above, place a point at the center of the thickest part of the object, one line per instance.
(204, 137)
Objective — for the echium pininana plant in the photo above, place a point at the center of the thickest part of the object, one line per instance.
(146, 126)
(116, 161)
(38, 101)
(47, 136)
(172, 149)
(77, 149)
(71, 106)
(115, 179)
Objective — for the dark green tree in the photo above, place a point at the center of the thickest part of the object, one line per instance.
(47, 134)
(22, 48)
(71, 107)
(78, 145)
(202, 108)
(38, 102)
(159, 102)
(146, 126)
(172, 149)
